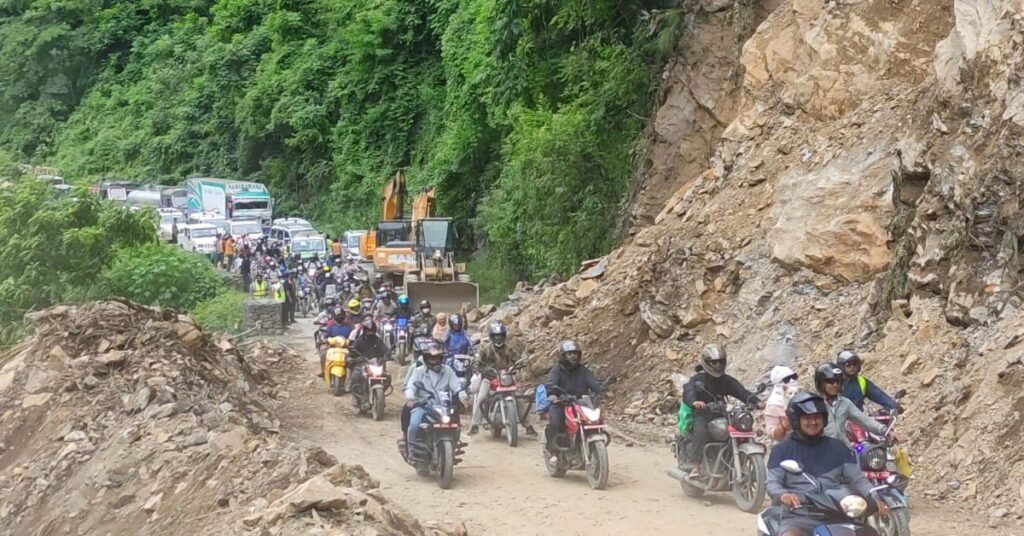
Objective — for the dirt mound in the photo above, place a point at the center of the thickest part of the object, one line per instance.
(866, 193)
(125, 419)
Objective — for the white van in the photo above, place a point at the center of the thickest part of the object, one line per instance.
(250, 230)
(211, 218)
(350, 244)
(198, 237)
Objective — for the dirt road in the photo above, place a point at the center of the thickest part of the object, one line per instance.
(503, 491)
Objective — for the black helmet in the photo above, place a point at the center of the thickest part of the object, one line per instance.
(570, 355)
(455, 321)
(713, 359)
(433, 355)
(806, 403)
(425, 307)
(848, 357)
(498, 332)
(828, 371)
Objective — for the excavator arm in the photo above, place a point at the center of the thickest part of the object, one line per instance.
(393, 200)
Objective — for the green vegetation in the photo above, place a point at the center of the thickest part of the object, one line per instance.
(223, 312)
(161, 274)
(524, 113)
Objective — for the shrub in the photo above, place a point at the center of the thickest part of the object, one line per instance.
(159, 274)
(223, 312)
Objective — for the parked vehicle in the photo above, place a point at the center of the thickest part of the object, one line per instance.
(198, 238)
(440, 440)
(733, 459)
(838, 516)
(584, 444)
(501, 408)
(232, 199)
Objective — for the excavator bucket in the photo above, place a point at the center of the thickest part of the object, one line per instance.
(444, 296)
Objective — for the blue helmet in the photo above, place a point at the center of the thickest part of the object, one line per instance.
(403, 300)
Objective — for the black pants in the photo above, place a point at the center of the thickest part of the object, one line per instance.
(291, 311)
(404, 421)
(284, 314)
(700, 434)
(556, 425)
(246, 282)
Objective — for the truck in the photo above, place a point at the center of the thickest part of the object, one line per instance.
(232, 199)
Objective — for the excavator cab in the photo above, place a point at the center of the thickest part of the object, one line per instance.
(438, 278)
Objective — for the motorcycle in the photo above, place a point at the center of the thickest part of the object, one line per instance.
(371, 384)
(387, 331)
(402, 340)
(838, 516)
(733, 459)
(584, 444)
(439, 439)
(877, 457)
(501, 408)
(305, 300)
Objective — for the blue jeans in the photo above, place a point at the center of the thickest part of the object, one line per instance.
(416, 415)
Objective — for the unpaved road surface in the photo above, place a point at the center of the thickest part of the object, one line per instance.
(499, 490)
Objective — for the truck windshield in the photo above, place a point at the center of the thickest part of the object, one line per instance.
(167, 220)
(202, 233)
(251, 204)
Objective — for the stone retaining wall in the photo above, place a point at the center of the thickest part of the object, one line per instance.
(263, 313)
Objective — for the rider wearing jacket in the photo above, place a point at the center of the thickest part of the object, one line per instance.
(495, 354)
(717, 385)
(436, 378)
(423, 321)
(827, 380)
(569, 375)
(458, 342)
(826, 459)
(858, 388)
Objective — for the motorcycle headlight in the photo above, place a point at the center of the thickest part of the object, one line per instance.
(506, 380)
(375, 370)
(873, 460)
(592, 414)
(446, 419)
(387, 327)
(743, 421)
(854, 505)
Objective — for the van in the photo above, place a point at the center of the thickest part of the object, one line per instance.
(211, 218)
(350, 244)
(307, 244)
(166, 218)
(283, 233)
(249, 230)
(198, 238)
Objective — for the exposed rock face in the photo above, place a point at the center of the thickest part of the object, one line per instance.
(865, 192)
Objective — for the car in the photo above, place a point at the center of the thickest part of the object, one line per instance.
(350, 244)
(307, 244)
(166, 218)
(212, 218)
(283, 233)
(198, 237)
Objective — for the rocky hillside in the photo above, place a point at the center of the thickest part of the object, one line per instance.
(851, 178)
(122, 419)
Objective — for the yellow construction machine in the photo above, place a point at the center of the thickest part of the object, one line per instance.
(419, 252)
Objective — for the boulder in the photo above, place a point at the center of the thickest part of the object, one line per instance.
(561, 305)
(657, 319)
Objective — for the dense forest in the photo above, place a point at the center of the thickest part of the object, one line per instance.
(524, 113)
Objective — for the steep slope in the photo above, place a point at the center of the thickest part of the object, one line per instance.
(866, 195)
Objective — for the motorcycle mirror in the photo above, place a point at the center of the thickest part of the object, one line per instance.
(792, 467)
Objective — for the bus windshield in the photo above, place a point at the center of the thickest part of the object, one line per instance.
(301, 244)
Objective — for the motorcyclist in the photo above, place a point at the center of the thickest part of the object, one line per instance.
(828, 379)
(436, 378)
(824, 458)
(403, 310)
(339, 328)
(354, 310)
(717, 385)
(497, 354)
(858, 388)
(385, 306)
(423, 321)
(458, 342)
(571, 377)
(368, 343)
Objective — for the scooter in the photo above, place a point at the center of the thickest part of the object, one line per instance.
(334, 368)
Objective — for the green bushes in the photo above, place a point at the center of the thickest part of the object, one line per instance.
(159, 274)
(220, 313)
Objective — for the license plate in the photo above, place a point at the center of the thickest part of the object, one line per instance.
(742, 434)
(505, 389)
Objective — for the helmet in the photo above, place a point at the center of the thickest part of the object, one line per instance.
(354, 306)
(339, 314)
(369, 326)
(455, 321)
(570, 355)
(782, 375)
(828, 371)
(805, 403)
(433, 355)
(498, 332)
(714, 360)
(403, 300)
(848, 357)
(327, 269)
(424, 306)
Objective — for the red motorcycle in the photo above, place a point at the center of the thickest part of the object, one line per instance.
(584, 444)
(876, 454)
(501, 407)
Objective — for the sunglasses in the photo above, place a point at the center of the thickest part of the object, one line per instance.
(790, 378)
(716, 361)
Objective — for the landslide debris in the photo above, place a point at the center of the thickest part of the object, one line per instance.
(866, 193)
(123, 419)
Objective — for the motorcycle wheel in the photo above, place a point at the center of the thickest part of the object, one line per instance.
(377, 404)
(403, 357)
(750, 495)
(337, 386)
(897, 524)
(445, 465)
(495, 420)
(597, 469)
(555, 470)
(511, 423)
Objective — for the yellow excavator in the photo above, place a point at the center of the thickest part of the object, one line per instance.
(419, 252)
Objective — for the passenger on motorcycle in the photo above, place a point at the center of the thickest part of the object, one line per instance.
(858, 388)
(458, 342)
(827, 459)
(571, 376)
(437, 378)
(495, 353)
(784, 386)
(828, 379)
(441, 330)
(354, 310)
(717, 385)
